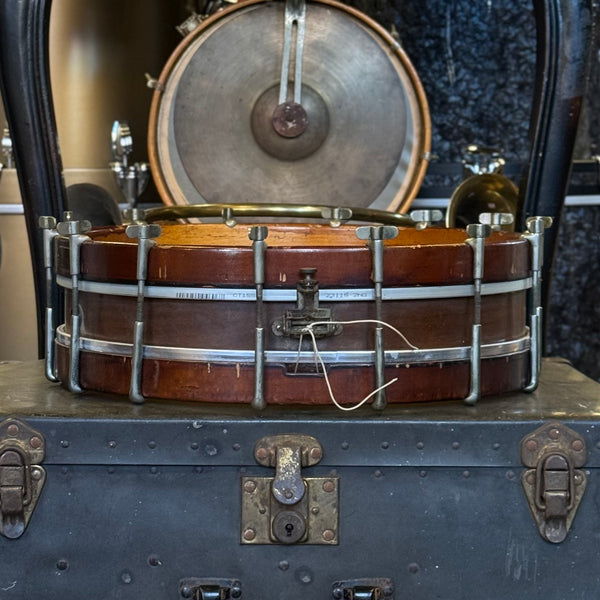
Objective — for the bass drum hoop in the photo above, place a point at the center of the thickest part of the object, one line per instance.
(169, 187)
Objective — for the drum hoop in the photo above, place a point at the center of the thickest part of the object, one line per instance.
(422, 127)
(279, 357)
(289, 295)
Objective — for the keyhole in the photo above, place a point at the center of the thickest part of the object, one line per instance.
(288, 529)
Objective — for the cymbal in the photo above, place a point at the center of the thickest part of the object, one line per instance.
(217, 132)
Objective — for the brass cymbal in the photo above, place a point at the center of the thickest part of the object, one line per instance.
(360, 137)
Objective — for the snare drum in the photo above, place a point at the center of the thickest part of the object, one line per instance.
(201, 306)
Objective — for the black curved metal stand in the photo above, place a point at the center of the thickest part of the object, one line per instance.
(27, 95)
(564, 39)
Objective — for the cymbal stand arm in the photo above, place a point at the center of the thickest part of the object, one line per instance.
(258, 235)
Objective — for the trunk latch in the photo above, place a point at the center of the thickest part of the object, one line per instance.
(554, 485)
(21, 477)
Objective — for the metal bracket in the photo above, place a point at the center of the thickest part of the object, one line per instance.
(294, 322)
(22, 449)
(554, 484)
(376, 588)
(289, 508)
(210, 588)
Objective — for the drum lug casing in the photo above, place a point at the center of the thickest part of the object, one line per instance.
(289, 508)
(554, 484)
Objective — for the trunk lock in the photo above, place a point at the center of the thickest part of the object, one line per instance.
(289, 508)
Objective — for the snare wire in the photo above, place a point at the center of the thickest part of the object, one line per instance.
(309, 330)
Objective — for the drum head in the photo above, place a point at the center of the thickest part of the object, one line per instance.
(211, 135)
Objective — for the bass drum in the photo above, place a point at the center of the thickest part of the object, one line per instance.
(212, 132)
(200, 313)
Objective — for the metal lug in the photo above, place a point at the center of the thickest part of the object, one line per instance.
(210, 588)
(554, 484)
(288, 508)
(377, 588)
(425, 217)
(294, 322)
(22, 449)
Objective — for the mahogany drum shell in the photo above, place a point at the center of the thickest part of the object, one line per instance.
(213, 256)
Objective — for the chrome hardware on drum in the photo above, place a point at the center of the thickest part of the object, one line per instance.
(274, 313)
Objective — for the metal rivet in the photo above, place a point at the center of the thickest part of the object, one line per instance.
(577, 445)
(236, 447)
(36, 474)
(455, 445)
(62, 564)
(466, 474)
(338, 593)
(422, 473)
(35, 442)
(261, 453)
(316, 453)
(288, 494)
(531, 445)
(510, 474)
(315, 510)
(378, 473)
(420, 445)
(388, 590)
(496, 446)
(112, 444)
(186, 591)
(154, 470)
(152, 445)
(530, 478)
(154, 561)
(65, 443)
(249, 486)
(262, 510)
(199, 469)
(345, 445)
(249, 534)
(236, 590)
(329, 535)
(328, 486)
(554, 433)
(284, 565)
(385, 445)
(194, 445)
(12, 429)
(413, 568)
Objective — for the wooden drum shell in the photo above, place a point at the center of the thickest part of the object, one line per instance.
(416, 259)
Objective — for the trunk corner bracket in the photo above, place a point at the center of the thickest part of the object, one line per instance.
(22, 450)
(554, 483)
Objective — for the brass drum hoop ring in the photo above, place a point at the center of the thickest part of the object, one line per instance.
(417, 102)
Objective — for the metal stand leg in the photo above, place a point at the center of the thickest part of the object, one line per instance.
(48, 227)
